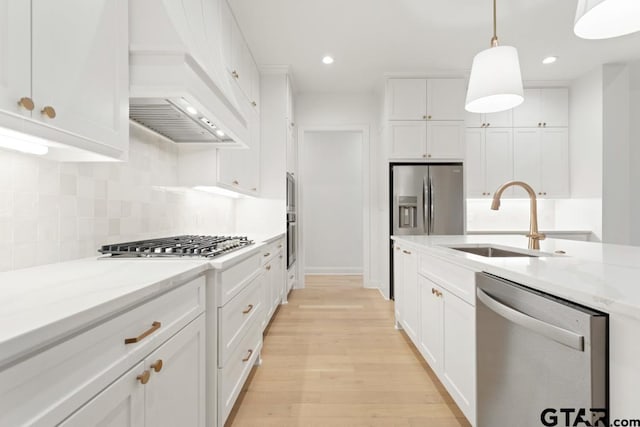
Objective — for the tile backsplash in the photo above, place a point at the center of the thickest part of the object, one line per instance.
(51, 211)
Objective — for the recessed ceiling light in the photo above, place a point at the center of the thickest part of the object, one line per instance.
(191, 110)
(549, 60)
(219, 133)
(327, 60)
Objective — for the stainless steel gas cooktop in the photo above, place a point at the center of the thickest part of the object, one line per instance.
(177, 246)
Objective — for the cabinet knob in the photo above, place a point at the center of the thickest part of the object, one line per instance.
(254, 189)
(488, 124)
(544, 124)
(539, 124)
(539, 193)
(483, 125)
(268, 267)
(424, 117)
(235, 74)
(406, 252)
(234, 182)
(49, 111)
(26, 103)
(157, 365)
(246, 359)
(144, 377)
(545, 193)
(429, 155)
(254, 103)
(429, 117)
(433, 291)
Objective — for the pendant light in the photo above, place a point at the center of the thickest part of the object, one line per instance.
(603, 19)
(495, 83)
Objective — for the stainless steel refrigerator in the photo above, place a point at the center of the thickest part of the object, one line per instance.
(427, 200)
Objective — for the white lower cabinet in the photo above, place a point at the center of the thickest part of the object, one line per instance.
(119, 405)
(166, 389)
(431, 325)
(445, 329)
(405, 270)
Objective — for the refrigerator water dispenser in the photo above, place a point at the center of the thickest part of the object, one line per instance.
(408, 211)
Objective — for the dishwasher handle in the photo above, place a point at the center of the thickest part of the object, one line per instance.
(563, 336)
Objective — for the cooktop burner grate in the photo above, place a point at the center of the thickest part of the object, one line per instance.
(177, 246)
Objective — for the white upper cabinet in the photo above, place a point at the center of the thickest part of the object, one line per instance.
(226, 27)
(445, 140)
(407, 99)
(15, 56)
(488, 161)
(68, 63)
(547, 107)
(502, 119)
(445, 99)
(80, 68)
(425, 99)
(407, 139)
(541, 158)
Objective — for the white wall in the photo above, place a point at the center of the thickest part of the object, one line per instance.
(313, 110)
(51, 212)
(634, 158)
(616, 177)
(332, 202)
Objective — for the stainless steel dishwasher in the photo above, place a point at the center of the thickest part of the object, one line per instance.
(541, 360)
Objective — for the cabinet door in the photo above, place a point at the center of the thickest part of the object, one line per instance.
(445, 140)
(15, 55)
(398, 279)
(408, 139)
(407, 99)
(459, 352)
(445, 99)
(255, 87)
(237, 51)
(498, 159)
(175, 394)
(80, 67)
(410, 303)
(229, 167)
(474, 163)
(226, 29)
(473, 120)
(119, 405)
(431, 324)
(526, 158)
(555, 162)
(527, 114)
(502, 119)
(554, 107)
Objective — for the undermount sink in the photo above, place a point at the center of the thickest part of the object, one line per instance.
(492, 252)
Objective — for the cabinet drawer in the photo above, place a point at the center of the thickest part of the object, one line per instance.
(457, 280)
(232, 280)
(237, 316)
(231, 378)
(45, 388)
(271, 250)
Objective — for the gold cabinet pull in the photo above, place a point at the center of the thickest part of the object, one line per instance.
(268, 267)
(144, 377)
(429, 155)
(280, 245)
(254, 189)
(157, 365)
(26, 103)
(49, 111)
(291, 277)
(235, 74)
(154, 327)
(266, 254)
(249, 308)
(424, 117)
(246, 359)
(406, 252)
(234, 182)
(539, 124)
(428, 117)
(280, 256)
(254, 103)
(397, 248)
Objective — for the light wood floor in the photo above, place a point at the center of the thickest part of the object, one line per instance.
(332, 357)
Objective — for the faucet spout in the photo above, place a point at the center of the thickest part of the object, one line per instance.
(534, 236)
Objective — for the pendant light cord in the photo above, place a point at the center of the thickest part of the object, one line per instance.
(494, 39)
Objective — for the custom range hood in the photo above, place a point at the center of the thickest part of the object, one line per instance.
(179, 86)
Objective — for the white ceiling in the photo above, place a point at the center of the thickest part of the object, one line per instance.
(371, 37)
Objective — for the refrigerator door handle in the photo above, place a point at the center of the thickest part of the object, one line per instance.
(426, 202)
(432, 212)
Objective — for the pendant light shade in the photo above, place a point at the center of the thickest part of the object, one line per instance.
(495, 83)
(603, 19)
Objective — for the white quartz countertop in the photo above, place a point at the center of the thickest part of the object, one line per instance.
(44, 304)
(601, 276)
